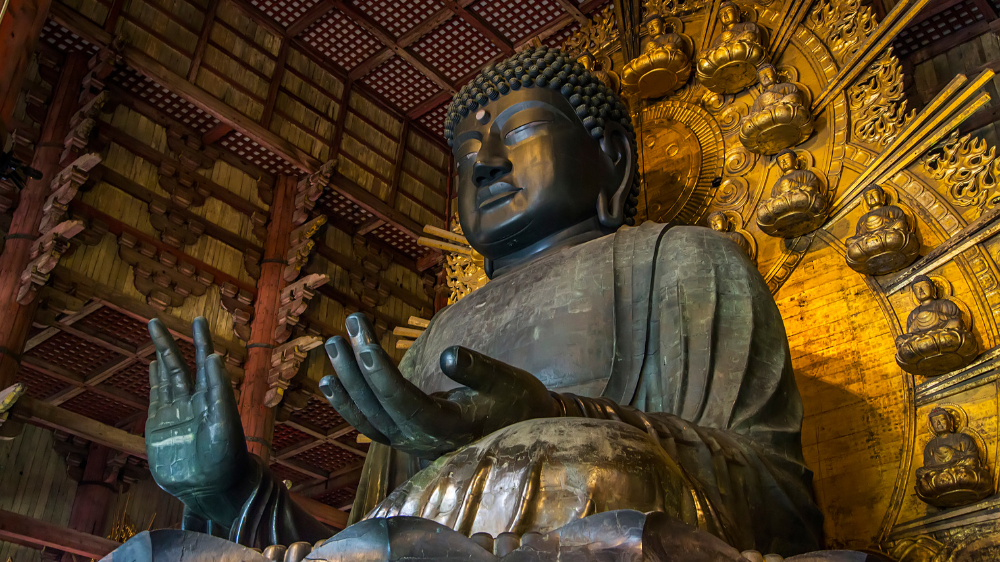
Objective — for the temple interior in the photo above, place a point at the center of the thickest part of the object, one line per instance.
(276, 166)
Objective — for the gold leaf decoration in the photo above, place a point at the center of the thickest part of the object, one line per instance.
(877, 102)
(969, 168)
(843, 25)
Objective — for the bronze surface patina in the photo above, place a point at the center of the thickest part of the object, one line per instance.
(954, 472)
(614, 392)
(938, 339)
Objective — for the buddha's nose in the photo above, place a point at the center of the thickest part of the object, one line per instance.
(489, 169)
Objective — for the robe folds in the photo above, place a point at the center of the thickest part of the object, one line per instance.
(674, 322)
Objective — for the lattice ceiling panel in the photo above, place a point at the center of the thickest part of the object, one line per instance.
(936, 27)
(284, 11)
(134, 379)
(398, 16)
(352, 440)
(285, 436)
(158, 96)
(39, 386)
(65, 40)
(242, 146)
(319, 414)
(333, 203)
(455, 48)
(113, 323)
(518, 20)
(434, 119)
(98, 407)
(74, 354)
(329, 457)
(338, 498)
(400, 83)
(343, 41)
(559, 37)
(400, 240)
(282, 472)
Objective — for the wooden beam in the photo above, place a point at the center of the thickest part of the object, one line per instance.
(953, 40)
(335, 482)
(371, 203)
(572, 10)
(114, 13)
(382, 35)
(39, 413)
(484, 27)
(311, 16)
(206, 32)
(397, 165)
(110, 392)
(42, 534)
(369, 64)
(21, 23)
(325, 513)
(159, 73)
(429, 104)
(276, 78)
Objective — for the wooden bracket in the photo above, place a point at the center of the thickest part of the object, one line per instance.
(286, 360)
(309, 189)
(176, 230)
(294, 300)
(44, 256)
(191, 152)
(165, 280)
(64, 188)
(239, 303)
(184, 188)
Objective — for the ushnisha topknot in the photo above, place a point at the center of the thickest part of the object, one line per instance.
(544, 67)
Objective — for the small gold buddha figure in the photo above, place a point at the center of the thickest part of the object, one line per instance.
(600, 68)
(885, 241)
(731, 60)
(954, 473)
(665, 64)
(779, 118)
(719, 222)
(797, 204)
(937, 338)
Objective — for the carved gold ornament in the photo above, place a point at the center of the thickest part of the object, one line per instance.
(969, 168)
(878, 106)
(729, 65)
(938, 336)
(665, 64)
(798, 203)
(955, 471)
(463, 265)
(885, 240)
(730, 226)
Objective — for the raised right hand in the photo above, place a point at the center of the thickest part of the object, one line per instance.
(194, 438)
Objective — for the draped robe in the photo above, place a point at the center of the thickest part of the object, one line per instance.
(674, 322)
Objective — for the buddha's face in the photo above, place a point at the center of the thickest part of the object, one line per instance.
(874, 198)
(941, 423)
(923, 290)
(767, 76)
(787, 161)
(655, 27)
(717, 221)
(729, 14)
(527, 169)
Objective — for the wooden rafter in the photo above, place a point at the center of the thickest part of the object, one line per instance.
(481, 25)
(206, 31)
(40, 534)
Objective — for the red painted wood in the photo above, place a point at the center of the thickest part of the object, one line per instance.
(28, 215)
(42, 534)
(258, 420)
(93, 496)
(19, 30)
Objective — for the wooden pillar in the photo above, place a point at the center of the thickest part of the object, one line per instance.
(93, 496)
(258, 419)
(20, 26)
(28, 215)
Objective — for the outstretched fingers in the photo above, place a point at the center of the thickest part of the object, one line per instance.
(412, 409)
(172, 365)
(340, 399)
(483, 373)
(154, 388)
(203, 348)
(353, 383)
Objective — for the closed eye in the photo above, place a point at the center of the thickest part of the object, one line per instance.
(521, 132)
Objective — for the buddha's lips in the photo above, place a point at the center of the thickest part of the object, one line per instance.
(493, 193)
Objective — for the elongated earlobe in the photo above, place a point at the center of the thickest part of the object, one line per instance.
(617, 144)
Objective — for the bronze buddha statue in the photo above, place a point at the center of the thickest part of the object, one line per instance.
(779, 118)
(797, 204)
(606, 371)
(937, 339)
(719, 222)
(664, 65)
(954, 472)
(729, 64)
(885, 241)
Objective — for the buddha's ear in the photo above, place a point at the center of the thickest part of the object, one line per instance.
(617, 144)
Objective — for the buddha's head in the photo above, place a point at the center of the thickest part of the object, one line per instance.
(542, 147)
(729, 13)
(923, 288)
(767, 75)
(874, 197)
(787, 160)
(941, 421)
(718, 221)
(654, 26)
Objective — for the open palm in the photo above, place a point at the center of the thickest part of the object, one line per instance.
(194, 438)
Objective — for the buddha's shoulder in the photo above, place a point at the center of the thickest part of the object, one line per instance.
(679, 238)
